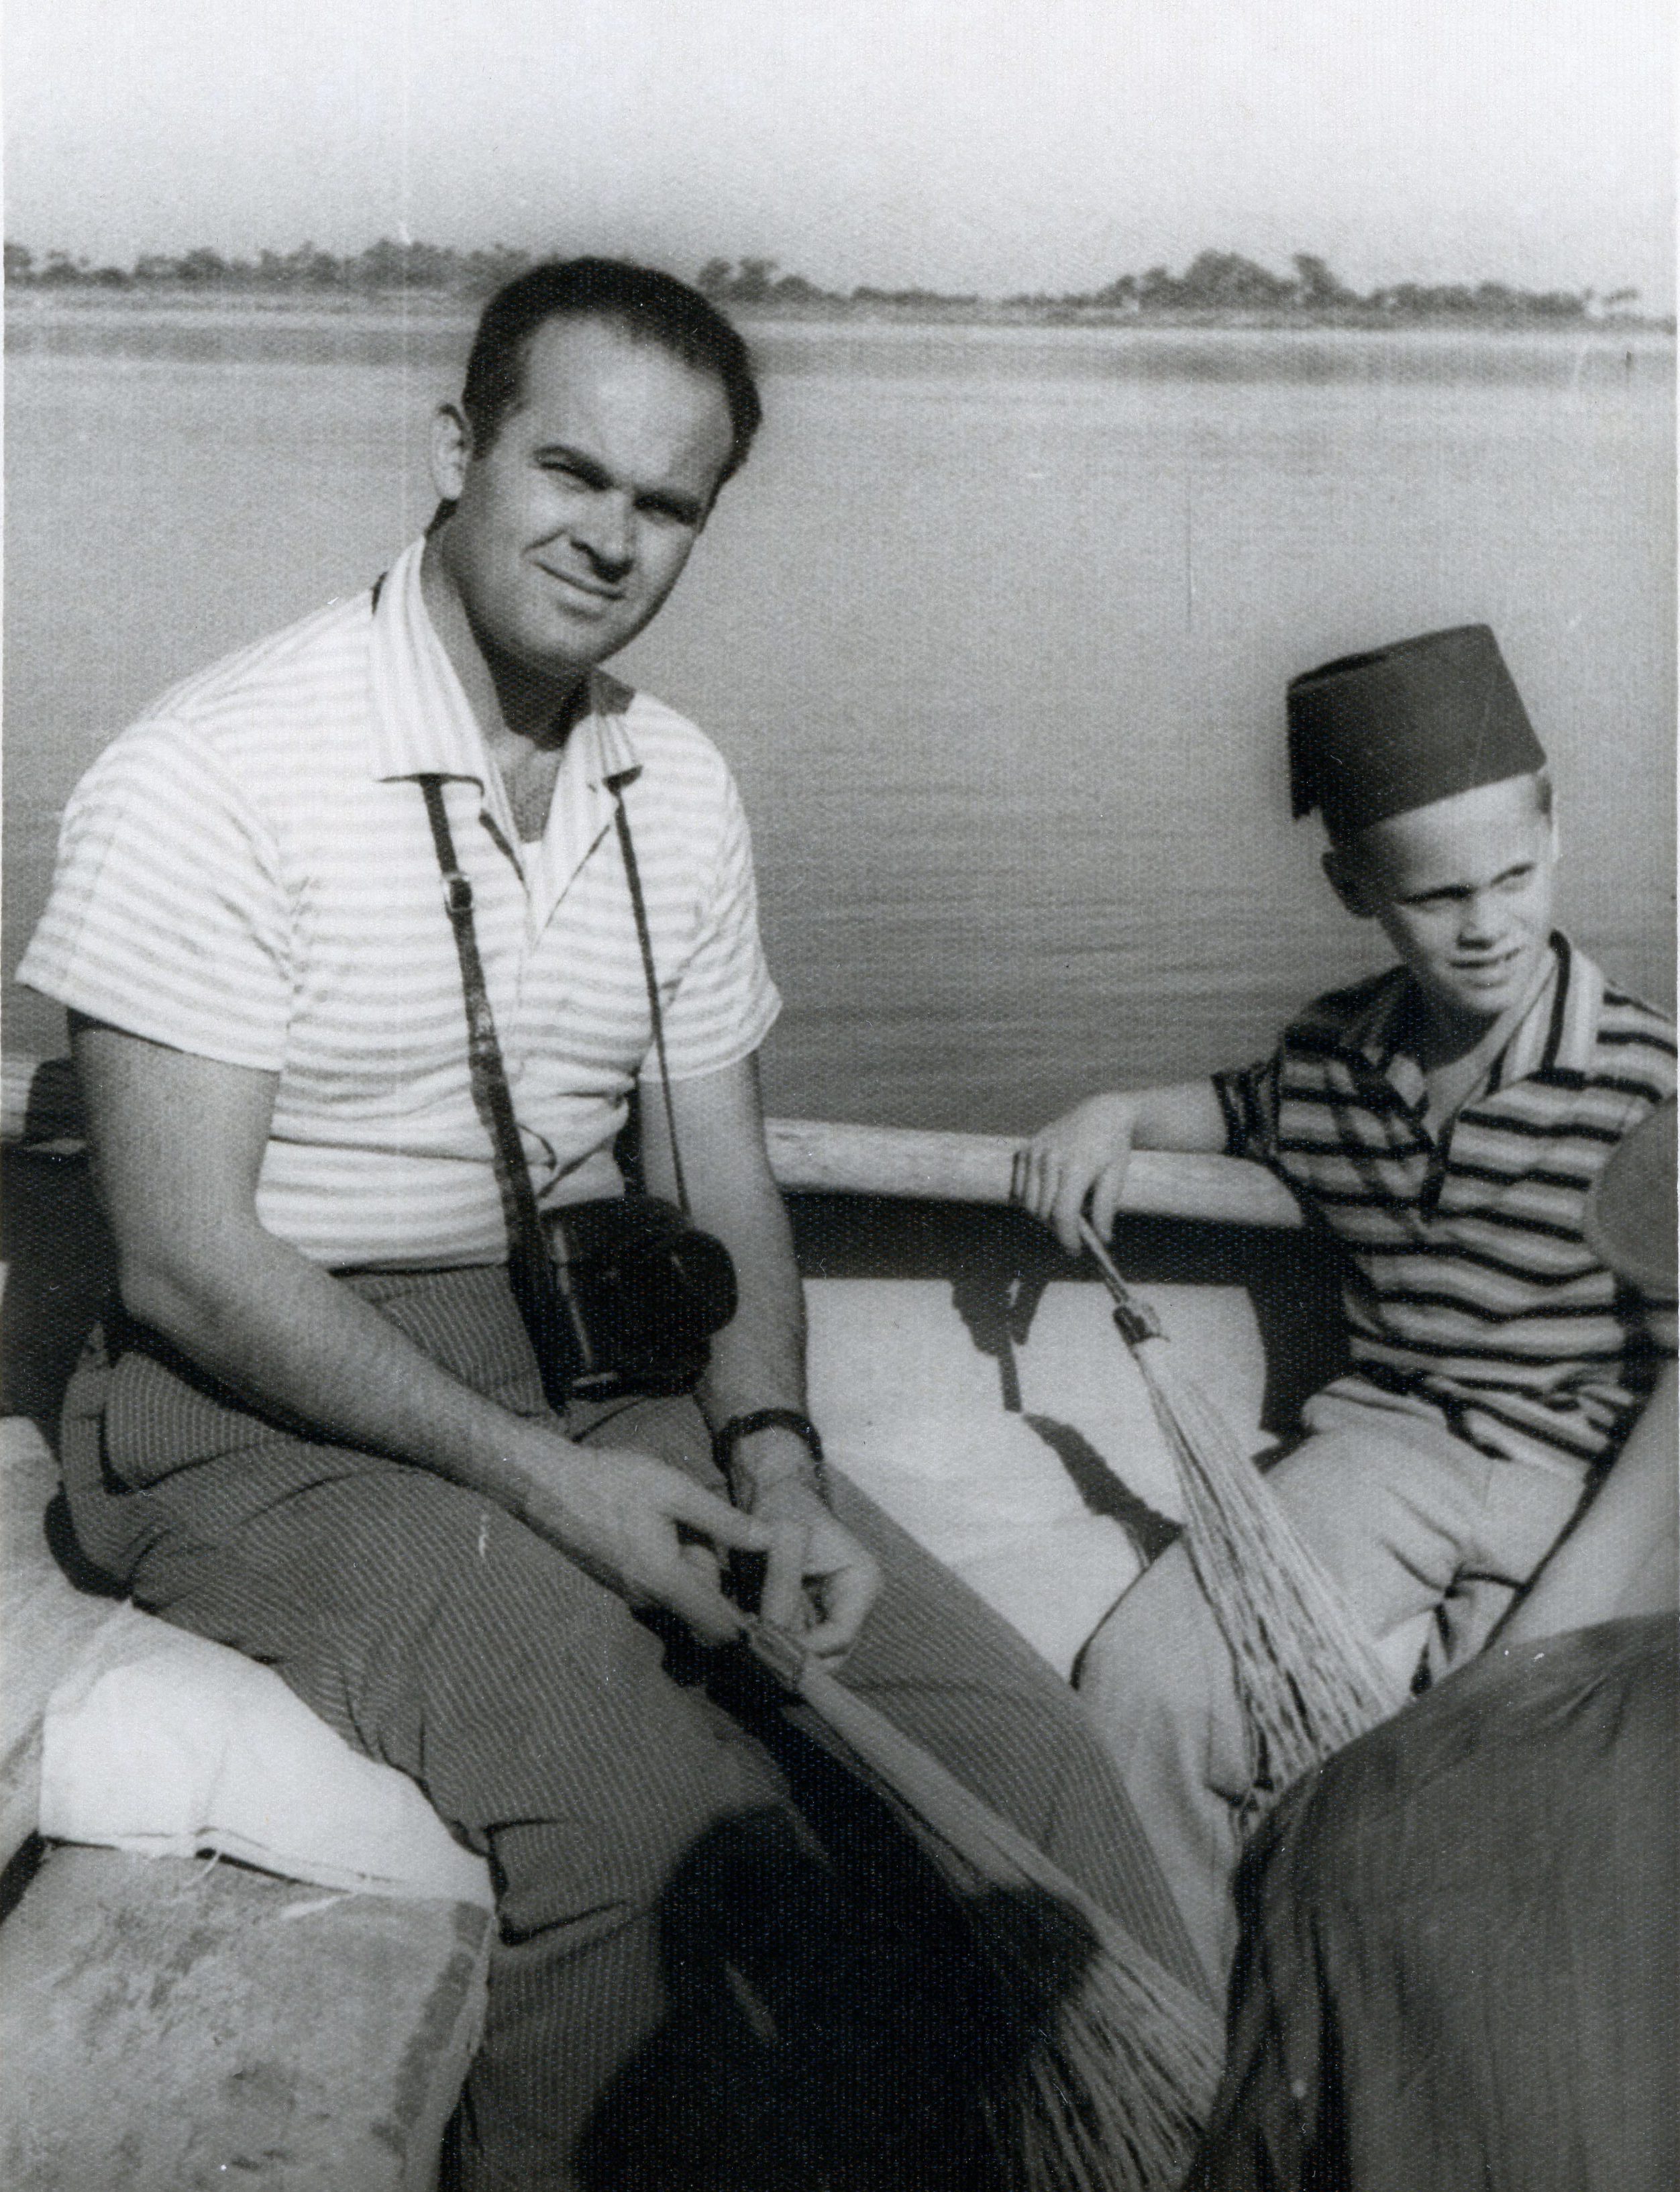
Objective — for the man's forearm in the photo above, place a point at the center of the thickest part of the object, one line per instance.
(291, 1339)
(758, 1359)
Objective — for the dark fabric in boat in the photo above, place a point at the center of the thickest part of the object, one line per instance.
(1458, 1964)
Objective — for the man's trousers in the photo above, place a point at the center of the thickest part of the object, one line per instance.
(1429, 1538)
(439, 1634)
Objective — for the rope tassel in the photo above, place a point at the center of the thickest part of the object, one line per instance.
(1306, 1672)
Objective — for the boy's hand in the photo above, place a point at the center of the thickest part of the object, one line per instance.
(1082, 1154)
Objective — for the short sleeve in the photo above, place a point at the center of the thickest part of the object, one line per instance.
(168, 916)
(725, 1002)
(1248, 1098)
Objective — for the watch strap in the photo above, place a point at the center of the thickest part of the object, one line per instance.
(729, 1436)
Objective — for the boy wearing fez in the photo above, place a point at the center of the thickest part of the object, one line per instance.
(1445, 1121)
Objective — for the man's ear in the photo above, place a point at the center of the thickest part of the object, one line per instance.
(1347, 882)
(451, 450)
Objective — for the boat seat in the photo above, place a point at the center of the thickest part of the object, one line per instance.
(1044, 1503)
(168, 2022)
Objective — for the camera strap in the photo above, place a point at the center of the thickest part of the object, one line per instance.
(633, 875)
(558, 1333)
(556, 1336)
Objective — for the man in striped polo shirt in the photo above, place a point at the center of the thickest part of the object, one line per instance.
(314, 1429)
(1445, 1121)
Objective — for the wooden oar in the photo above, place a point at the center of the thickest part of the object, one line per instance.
(1124, 2060)
(39, 1103)
(1307, 1674)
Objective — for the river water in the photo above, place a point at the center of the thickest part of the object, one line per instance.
(994, 630)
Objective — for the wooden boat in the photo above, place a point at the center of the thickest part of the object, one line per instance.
(168, 2023)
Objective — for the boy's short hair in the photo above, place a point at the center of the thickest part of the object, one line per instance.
(644, 303)
(1377, 734)
(1354, 845)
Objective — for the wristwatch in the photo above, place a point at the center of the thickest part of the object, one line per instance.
(729, 1436)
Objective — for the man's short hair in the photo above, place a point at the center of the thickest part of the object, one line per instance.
(645, 305)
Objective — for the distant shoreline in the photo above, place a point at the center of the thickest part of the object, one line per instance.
(1216, 289)
(32, 301)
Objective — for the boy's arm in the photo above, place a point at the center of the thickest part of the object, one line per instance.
(1085, 1152)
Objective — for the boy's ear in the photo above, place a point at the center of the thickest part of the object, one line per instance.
(1347, 882)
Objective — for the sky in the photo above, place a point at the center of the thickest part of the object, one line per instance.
(987, 144)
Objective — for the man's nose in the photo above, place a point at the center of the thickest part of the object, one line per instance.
(606, 531)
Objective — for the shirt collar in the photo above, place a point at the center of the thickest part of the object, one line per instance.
(423, 723)
(1559, 1034)
(1556, 1035)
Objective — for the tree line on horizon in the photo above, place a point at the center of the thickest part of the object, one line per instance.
(1214, 281)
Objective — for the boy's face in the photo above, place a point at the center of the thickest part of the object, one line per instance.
(1463, 890)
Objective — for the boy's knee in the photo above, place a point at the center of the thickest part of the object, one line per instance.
(1389, 1517)
(1157, 1652)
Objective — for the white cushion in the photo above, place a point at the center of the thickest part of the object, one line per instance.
(163, 1743)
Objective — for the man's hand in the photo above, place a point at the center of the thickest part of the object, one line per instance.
(1083, 1153)
(819, 1583)
(641, 1527)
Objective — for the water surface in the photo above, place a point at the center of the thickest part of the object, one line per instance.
(994, 630)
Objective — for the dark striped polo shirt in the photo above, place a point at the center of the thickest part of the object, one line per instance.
(1469, 1288)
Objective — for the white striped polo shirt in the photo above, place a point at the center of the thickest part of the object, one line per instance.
(248, 873)
(1471, 1289)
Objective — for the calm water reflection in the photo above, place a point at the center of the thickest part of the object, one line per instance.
(994, 630)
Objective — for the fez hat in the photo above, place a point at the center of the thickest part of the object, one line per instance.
(1631, 1218)
(1372, 735)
